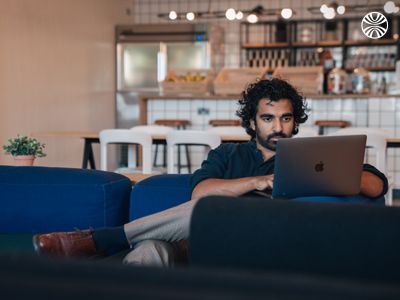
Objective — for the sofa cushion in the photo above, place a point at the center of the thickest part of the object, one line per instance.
(44, 199)
(346, 240)
(158, 193)
(345, 199)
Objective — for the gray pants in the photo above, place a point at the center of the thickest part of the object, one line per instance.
(150, 235)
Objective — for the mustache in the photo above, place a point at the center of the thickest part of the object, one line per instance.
(277, 134)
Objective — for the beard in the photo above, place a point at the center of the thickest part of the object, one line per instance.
(267, 142)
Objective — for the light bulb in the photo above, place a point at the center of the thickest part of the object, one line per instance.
(396, 10)
(190, 16)
(230, 14)
(330, 13)
(323, 8)
(389, 7)
(239, 15)
(286, 13)
(252, 18)
(172, 15)
(341, 9)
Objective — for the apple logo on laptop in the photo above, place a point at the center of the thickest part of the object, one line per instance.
(319, 167)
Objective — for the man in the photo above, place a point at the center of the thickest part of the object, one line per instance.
(270, 110)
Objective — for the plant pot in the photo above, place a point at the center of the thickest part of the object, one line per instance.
(24, 160)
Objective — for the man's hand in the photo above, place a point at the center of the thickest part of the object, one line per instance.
(232, 187)
(371, 185)
(264, 182)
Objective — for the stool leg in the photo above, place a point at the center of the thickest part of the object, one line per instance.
(179, 159)
(164, 156)
(137, 155)
(155, 156)
(188, 158)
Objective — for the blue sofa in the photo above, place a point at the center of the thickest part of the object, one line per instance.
(296, 256)
(43, 199)
(160, 192)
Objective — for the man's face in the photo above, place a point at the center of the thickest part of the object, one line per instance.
(274, 120)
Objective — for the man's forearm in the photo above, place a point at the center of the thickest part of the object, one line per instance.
(225, 187)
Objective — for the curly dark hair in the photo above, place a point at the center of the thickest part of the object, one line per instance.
(274, 90)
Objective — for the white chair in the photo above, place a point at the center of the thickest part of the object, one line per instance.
(228, 130)
(189, 137)
(154, 130)
(126, 136)
(376, 139)
(306, 131)
(180, 124)
(230, 133)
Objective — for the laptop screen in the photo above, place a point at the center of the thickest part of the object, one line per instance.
(318, 166)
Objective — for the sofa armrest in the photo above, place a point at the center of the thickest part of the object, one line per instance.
(45, 199)
(347, 240)
(158, 193)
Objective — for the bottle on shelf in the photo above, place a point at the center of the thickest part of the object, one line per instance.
(361, 81)
(337, 81)
(326, 60)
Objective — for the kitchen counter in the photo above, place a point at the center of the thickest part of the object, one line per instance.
(144, 99)
(205, 97)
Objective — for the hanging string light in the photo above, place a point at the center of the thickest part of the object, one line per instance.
(286, 13)
(329, 11)
(230, 14)
(252, 15)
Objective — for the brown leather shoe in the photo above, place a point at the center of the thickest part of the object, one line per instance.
(68, 244)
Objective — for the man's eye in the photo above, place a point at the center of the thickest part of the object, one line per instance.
(267, 119)
(287, 119)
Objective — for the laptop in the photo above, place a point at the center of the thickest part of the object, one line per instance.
(318, 166)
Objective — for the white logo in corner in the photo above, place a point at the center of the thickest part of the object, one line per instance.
(374, 25)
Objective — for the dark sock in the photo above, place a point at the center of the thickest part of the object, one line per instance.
(110, 240)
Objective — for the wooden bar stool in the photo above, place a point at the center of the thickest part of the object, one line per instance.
(224, 122)
(178, 124)
(322, 124)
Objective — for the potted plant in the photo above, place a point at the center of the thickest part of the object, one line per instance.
(24, 150)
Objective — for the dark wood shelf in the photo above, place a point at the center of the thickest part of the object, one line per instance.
(264, 45)
(371, 42)
(320, 44)
(317, 44)
(375, 69)
(295, 45)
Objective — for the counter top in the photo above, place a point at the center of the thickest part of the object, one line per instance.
(225, 97)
